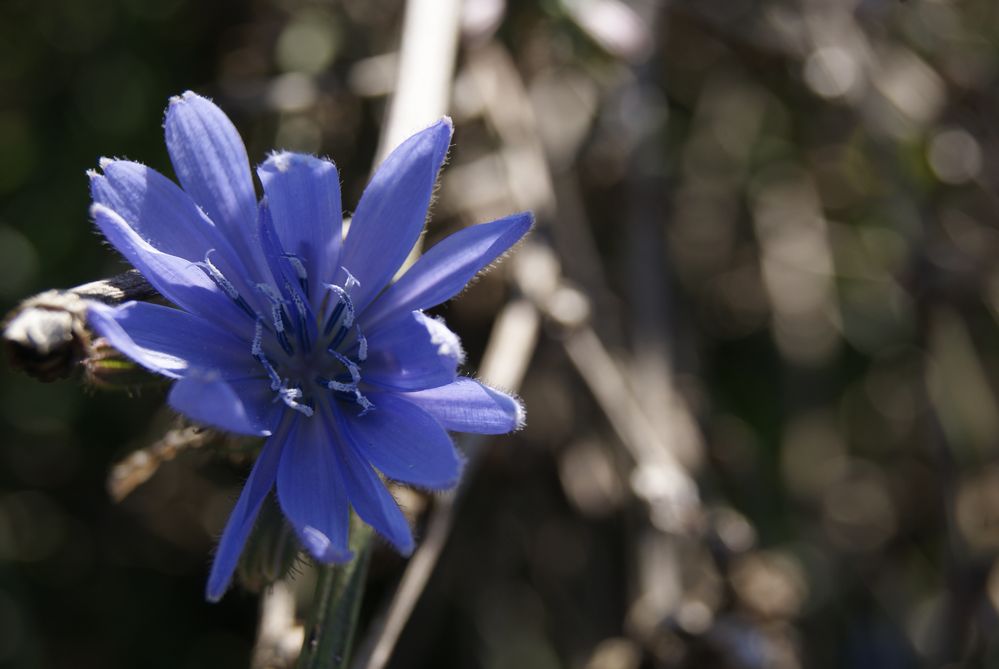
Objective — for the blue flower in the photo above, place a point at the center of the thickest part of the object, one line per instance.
(288, 329)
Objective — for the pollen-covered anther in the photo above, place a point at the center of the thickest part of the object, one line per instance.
(349, 389)
(291, 397)
(338, 386)
(342, 312)
(217, 275)
(297, 265)
(362, 345)
(224, 284)
(257, 351)
(351, 281)
(350, 365)
(279, 316)
(300, 271)
(257, 346)
(303, 315)
(366, 405)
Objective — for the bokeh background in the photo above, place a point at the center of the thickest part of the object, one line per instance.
(762, 411)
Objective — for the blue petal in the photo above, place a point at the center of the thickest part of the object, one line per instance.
(207, 398)
(212, 166)
(370, 498)
(392, 211)
(169, 341)
(443, 271)
(156, 208)
(303, 193)
(283, 273)
(412, 354)
(404, 442)
(177, 279)
(311, 491)
(243, 515)
(469, 406)
(166, 217)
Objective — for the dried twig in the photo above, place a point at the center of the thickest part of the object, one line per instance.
(139, 466)
(510, 347)
(279, 636)
(508, 352)
(426, 64)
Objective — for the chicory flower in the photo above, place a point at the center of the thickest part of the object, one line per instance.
(288, 329)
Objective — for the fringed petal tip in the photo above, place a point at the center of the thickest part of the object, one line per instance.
(404, 546)
(445, 269)
(321, 548)
(184, 97)
(443, 131)
(218, 585)
(281, 160)
(509, 405)
(470, 406)
(393, 210)
(520, 411)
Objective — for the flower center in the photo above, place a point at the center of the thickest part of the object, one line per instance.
(305, 354)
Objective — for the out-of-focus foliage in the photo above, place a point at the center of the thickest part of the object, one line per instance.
(783, 218)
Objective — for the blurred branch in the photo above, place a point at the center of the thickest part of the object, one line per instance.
(279, 637)
(510, 348)
(508, 352)
(423, 84)
(659, 478)
(139, 466)
(493, 89)
(426, 64)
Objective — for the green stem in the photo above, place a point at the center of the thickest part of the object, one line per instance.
(329, 631)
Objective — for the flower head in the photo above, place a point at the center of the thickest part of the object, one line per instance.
(288, 329)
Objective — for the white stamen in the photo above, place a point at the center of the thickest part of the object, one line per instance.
(258, 339)
(351, 279)
(341, 387)
(297, 265)
(290, 397)
(277, 304)
(297, 299)
(365, 403)
(276, 383)
(362, 345)
(348, 305)
(355, 372)
(218, 277)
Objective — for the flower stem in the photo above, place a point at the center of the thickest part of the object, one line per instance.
(329, 630)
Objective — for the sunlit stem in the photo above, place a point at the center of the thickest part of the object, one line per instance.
(332, 621)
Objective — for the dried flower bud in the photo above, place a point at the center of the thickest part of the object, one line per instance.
(46, 336)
